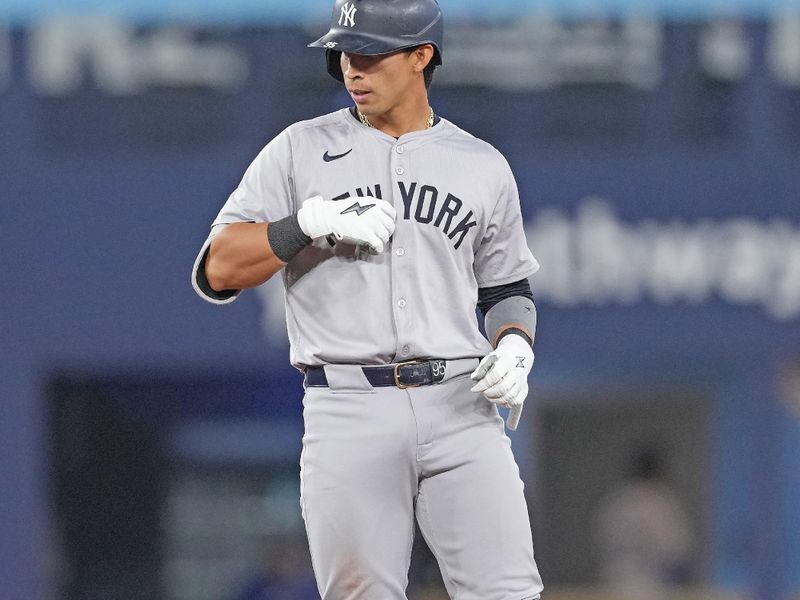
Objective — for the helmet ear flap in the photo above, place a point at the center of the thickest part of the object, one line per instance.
(333, 58)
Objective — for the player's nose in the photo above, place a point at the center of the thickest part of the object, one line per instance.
(350, 68)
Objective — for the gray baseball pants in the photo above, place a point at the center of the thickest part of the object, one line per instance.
(374, 458)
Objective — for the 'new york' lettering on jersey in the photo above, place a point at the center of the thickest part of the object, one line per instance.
(425, 197)
(458, 228)
(421, 203)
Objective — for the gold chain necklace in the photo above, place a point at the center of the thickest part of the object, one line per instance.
(363, 118)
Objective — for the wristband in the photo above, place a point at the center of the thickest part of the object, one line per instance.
(286, 238)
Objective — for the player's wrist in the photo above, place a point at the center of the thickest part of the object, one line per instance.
(515, 340)
(287, 238)
(514, 331)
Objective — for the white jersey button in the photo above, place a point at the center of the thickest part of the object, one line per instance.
(399, 170)
(401, 149)
(405, 351)
(401, 303)
(400, 251)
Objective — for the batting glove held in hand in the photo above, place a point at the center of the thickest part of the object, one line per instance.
(502, 375)
(366, 221)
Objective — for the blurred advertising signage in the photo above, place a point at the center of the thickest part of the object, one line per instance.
(596, 259)
(541, 52)
(122, 60)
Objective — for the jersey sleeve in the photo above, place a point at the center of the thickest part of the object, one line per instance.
(200, 282)
(503, 255)
(266, 193)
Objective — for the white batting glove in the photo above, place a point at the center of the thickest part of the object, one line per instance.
(502, 375)
(355, 220)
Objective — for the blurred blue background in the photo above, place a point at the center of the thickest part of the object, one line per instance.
(150, 441)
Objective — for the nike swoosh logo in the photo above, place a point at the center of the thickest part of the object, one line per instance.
(330, 158)
(358, 209)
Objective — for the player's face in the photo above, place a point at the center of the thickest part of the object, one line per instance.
(379, 84)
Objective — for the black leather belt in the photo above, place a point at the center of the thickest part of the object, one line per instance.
(403, 375)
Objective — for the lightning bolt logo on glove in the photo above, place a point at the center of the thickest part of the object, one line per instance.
(357, 208)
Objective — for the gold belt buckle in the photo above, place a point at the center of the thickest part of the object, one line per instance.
(397, 383)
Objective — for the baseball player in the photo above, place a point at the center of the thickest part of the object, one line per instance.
(389, 225)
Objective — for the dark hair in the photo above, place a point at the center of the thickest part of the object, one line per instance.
(428, 74)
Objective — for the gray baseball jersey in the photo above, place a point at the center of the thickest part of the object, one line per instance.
(458, 228)
(376, 458)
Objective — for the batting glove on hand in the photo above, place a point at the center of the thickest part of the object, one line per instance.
(502, 375)
(368, 221)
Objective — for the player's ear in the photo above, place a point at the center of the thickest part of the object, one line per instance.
(422, 55)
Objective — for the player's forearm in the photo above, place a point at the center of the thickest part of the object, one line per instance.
(241, 257)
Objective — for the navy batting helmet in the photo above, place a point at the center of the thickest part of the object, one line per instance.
(380, 27)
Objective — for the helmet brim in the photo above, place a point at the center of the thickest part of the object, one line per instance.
(367, 44)
(336, 42)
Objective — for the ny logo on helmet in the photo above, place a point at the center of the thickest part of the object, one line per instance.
(348, 16)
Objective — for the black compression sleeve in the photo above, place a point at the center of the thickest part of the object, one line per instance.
(202, 282)
(488, 297)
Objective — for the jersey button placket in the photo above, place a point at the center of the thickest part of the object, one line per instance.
(400, 265)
